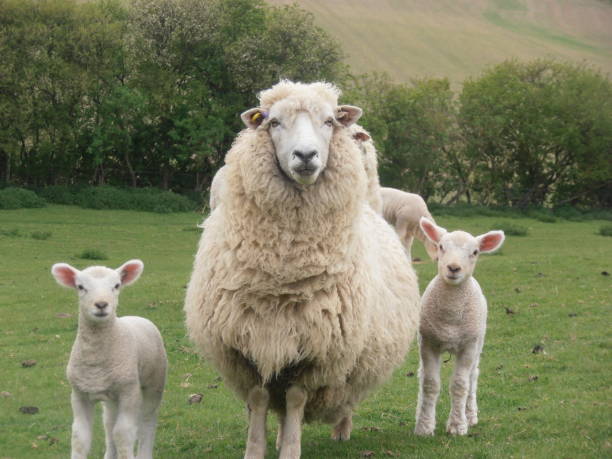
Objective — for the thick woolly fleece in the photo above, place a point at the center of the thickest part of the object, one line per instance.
(369, 156)
(301, 285)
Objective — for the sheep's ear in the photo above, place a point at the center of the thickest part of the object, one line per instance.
(361, 136)
(348, 114)
(433, 232)
(253, 118)
(130, 271)
(491, 241)
(64, 274)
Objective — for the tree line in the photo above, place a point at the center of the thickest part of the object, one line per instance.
(148, 93)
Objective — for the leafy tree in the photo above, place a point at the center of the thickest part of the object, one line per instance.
(537, 132)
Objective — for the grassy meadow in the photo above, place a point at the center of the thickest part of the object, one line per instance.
(546, 289)
(459, 38)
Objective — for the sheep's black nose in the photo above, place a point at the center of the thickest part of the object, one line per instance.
(101, 304)
(305, 156)
(454, 268)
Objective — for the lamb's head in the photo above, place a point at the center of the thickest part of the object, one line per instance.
(98, 287)
(301, 120)
(458, 251)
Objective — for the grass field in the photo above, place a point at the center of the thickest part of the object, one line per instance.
(545, 288)
(459, 38)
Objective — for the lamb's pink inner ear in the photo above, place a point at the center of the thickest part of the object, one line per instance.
(491, 241)
(430, 230)
(361, 136)
(130, 272)
(64, 275)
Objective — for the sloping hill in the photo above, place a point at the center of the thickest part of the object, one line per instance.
(459, 38)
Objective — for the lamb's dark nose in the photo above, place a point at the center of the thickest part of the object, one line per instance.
(454, 268)
(305, 157)
(101, 305)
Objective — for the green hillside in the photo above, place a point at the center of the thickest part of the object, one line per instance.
(458, 38)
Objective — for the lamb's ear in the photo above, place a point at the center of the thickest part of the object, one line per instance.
(361, 136)
(491, 241)
(433, 232)
(64, 274)
(130, 271)
(253, 118)
(348, 114)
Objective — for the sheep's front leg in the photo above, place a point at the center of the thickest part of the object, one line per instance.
(291, 445)
(82, 424)
(429, 389)
(257, 403)
(110, 418)
(459, 388)
(471, 409)
(126, 426)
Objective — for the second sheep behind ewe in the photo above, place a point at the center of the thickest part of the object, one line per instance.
(120, 361)
(453, 319)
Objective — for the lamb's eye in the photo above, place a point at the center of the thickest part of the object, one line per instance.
(475, 252)
(117, 286)
(80, 287)
(441, 247)
(329, 122)
(274, 123)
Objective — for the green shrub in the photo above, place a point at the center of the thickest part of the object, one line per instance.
(511, 229)
(10, 233)
(60, 194)
(41, 235)
(19, 198)
(606, 230)
(92, 254)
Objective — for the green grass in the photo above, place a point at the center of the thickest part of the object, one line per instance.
(551, 279)
(460, 38)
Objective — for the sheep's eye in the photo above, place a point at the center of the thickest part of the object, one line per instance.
(441, 247)
(117, 286)
(329, 122)
(80, 287)
(475, 252)
(274, 123)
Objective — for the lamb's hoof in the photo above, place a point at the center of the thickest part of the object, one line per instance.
(457, 428)
(472, 420)
(342, 430)
(424, 431)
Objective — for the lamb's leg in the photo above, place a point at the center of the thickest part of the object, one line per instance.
(110, 418)
(126, 427)
(471, 409)
(148, 423)
(257, 403)
(82, 424)
(279, 434)
(429, 389)
(291, 444)
(459, 388)
(342, 430)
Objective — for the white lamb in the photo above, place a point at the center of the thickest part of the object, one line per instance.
(119, 361)
(301, 295)
(403, 211)
(369, 156)
(453, 319)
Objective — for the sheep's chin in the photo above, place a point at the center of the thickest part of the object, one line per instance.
(453, 280)
(305, 179)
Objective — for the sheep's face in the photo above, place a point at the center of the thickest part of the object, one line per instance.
(98, 287)
(457, 252)
(301, 133)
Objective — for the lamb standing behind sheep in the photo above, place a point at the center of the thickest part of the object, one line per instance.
(403, 211)
(369, 156)
(301, 295)
(453, 319)
(120, 361)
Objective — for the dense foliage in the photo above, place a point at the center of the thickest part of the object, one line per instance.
(147, 93)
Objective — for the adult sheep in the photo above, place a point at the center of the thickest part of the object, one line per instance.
(369, 156)
(301, 295)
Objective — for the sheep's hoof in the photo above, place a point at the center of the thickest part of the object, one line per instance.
(424, 431)
(472, 420)
(457, 428)
(342, 430)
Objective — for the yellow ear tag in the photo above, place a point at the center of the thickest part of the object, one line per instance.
(256, 117)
